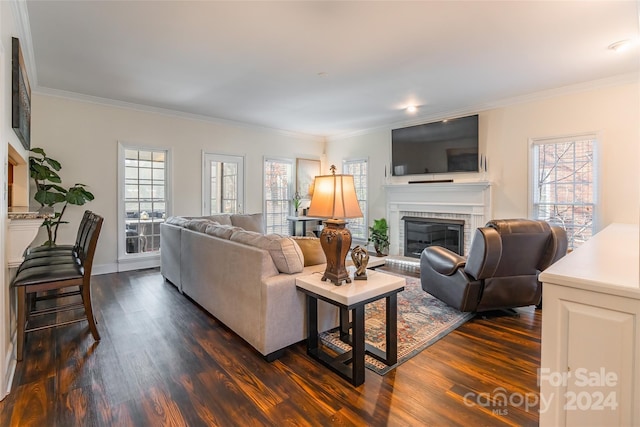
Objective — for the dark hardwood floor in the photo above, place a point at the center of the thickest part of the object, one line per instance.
(164, 361)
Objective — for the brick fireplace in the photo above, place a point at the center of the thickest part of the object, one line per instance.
(468, 202)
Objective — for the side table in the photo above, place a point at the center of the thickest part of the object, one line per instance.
(352, 297)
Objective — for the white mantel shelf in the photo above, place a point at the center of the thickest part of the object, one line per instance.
(471, 199)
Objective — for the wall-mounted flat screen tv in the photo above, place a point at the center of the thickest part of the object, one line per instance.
(440, 147)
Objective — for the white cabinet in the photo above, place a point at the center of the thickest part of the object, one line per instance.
(590, 364)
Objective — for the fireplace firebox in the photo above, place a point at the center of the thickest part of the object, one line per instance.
(420, 233)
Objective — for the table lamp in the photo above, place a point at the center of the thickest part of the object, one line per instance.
(334, 198)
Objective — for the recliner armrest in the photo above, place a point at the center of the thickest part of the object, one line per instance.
(443, 260)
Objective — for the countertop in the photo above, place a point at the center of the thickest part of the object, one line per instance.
(609, 262)
(25, 212)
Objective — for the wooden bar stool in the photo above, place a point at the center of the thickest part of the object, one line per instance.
(53, 273)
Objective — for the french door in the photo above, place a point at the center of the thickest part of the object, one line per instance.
(222, 184)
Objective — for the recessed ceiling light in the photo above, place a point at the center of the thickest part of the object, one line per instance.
(323, 74)
(412, 109)
(620, 46)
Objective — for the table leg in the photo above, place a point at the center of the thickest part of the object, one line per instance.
(344, 325)
(312, 323)
(357, 345)
(392, 329)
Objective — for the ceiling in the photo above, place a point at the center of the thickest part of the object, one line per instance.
(324, 68)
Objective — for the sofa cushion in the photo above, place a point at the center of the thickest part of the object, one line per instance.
(222, 231)
(250, 238)
(250, 222)
(311, 250)
(199, 224)
(177, 220)
(285, 253)
(224, 219)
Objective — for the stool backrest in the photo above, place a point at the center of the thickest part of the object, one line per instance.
(87, 251)
(82, 229)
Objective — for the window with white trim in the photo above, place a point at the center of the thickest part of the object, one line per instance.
(359, 169)
(564, 184)
(143, 202)
(278, 192)
(222, 183)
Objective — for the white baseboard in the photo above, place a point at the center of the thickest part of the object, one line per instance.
(138, 264)
(126, 265)
(104, 269)
(9, 369)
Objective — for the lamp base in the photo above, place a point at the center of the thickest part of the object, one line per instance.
(335, 240)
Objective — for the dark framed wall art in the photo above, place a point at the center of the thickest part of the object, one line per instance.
(20, 95)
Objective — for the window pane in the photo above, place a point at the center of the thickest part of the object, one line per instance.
(565, 192)
(277, 193)
(358, 168)
(145, 199)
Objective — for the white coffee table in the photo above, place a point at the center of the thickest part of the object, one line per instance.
(352, 296)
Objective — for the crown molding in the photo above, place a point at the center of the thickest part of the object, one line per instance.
(502, 103)
(107, 102)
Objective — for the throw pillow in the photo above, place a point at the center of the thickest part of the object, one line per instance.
(285, 253)
(250, 222)
(311, 250)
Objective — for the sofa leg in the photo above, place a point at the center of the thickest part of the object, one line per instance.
(272, 357)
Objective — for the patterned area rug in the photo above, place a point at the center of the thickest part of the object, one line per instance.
(422, 320)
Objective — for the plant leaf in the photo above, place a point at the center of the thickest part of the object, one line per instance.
(53, 163)
(78, 195)
(48, 198)
(38, 151)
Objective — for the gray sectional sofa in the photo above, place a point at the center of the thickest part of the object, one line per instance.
(242, 277)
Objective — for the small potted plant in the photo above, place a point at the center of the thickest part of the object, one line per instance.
(379, 236)
(297, 201)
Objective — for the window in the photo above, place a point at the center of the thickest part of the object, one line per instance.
(223, 184)
(278, 192)
(143, 176)
(358, 168)
(564, 187)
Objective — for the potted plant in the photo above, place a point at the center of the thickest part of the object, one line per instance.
(379, 236)
(49, 192)
(297, 201)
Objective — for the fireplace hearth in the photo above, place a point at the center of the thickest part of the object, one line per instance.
(420, 232)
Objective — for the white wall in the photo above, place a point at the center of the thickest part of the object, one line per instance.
(84, 137)
(612, 111)
(8, 29)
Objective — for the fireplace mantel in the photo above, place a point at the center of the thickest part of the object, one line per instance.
(470, 199)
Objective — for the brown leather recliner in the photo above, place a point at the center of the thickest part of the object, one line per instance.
(502, 268)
